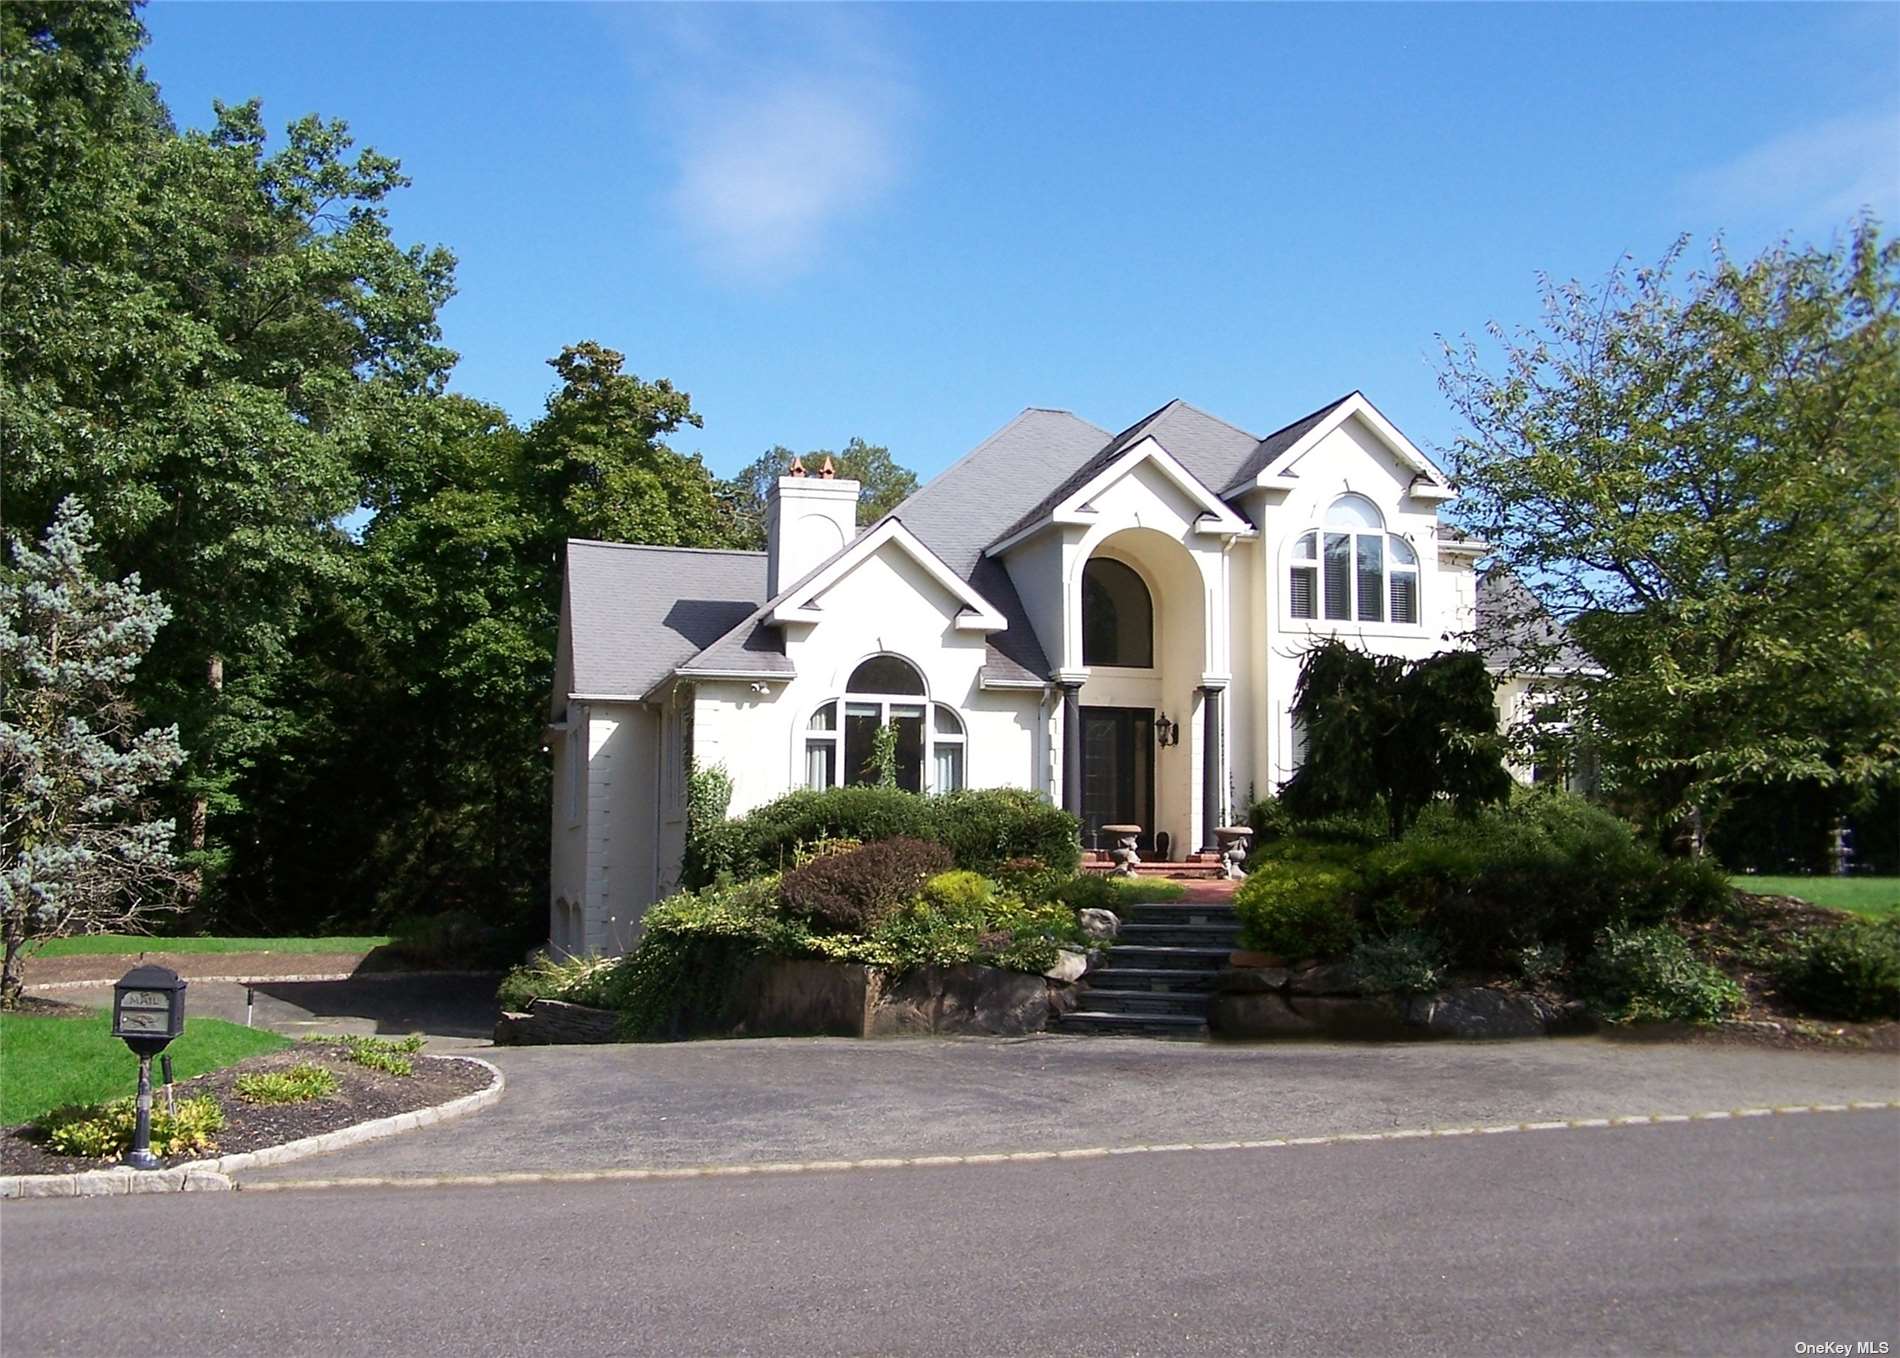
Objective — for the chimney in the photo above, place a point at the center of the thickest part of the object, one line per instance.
(807, 519)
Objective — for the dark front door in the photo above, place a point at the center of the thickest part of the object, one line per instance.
(1118, 772)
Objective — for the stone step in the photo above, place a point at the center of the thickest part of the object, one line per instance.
(1144, 1002)
(1213, 934)
(1175, 979)
(1197, 956)
(1179, 913)
(1130, 1025)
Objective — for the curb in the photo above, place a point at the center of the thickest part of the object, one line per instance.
(775, 1169)
(215, 1175)
(274, 980)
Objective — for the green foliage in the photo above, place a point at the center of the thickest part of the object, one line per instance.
(882, 763)
(104, 1131)
(577, 980)
(1270, 820)
(1635, 975)
(1850, 971)
(1382, 729)
(1405, 962)
(851, 893)
(983, 828)
(882, 484)
(81, 850)
(1547, 868)
(1299, 904)
(1698, 471)
(1537, 962)
(302, 1083)
(1091, 890)
(708, 796)
(387, 1055)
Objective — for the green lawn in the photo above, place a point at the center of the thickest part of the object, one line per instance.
(1874, 897)
(126, 944)
(47, 1061)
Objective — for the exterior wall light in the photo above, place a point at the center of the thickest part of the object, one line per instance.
(1167, 730)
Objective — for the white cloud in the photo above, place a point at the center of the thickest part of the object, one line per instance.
(1814, 177)
(784, 124)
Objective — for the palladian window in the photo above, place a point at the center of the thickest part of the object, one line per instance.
(1352, 569)
(1118, 616)
(841, 735)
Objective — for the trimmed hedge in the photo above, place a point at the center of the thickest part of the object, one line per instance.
(1849, 971)
(982, 828)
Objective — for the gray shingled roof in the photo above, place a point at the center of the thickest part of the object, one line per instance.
(1206, 447)
(1517, 634)
(635, 613)
(1268, 450)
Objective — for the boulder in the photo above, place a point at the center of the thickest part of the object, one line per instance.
(1244, 957)
(1328, 978)
(965, 1000)
(802, 997)
(1480, 1012)
(1070, 964)
(556, 1023)
(1250, 980)
(1255, 1014)
(1099, 924)
(1366, 1018)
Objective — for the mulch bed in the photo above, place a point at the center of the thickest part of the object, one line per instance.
(364, 1095)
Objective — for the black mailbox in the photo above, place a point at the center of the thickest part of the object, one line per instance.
(148, 1009)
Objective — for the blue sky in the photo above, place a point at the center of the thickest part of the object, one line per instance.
(907, 223)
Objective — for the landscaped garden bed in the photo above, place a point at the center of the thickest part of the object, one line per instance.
(304, 1089)
(827, 914)
(1543, 914)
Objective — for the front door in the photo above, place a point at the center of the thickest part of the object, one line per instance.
(1118, 773)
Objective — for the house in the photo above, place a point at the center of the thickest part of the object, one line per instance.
(1115, 620)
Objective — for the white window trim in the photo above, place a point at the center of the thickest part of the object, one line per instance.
(1384, 625)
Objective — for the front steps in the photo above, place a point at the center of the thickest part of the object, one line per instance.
(1157, 977)
(1200, 867)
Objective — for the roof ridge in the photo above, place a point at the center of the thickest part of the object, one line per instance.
(664, 547)
(998, 433)
(1210, 415)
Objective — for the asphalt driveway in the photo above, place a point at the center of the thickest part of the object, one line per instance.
(735, 1102)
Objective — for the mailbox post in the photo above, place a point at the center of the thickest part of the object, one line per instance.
(148, 1011)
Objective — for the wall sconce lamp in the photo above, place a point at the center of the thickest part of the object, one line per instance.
(1167, 731)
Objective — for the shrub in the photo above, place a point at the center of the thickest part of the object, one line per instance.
(983, 829)
(577, 980)
(1270, 821)
(1298, 908)
(102, 1131)
(852, 892)
(1402, 963)
(1540, 961)
(961, 892)
(708, 795)
(1548, 868)
(383, 1054)
(1636, 974)
(300, 1084)
(1848, 971)
(1100, 891)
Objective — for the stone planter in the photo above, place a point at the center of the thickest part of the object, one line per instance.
(805, 997)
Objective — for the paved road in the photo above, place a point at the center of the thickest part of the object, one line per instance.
(1739, 1237)
(577, 1108)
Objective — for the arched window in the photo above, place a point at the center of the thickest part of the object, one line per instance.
(886, 690)
(1118, 616)
(1352, 569)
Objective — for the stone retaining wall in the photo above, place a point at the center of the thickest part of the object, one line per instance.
(1324, 1001)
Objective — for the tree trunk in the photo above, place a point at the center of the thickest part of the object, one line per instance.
(192, 889)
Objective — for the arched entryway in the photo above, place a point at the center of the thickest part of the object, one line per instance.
(1140, 609)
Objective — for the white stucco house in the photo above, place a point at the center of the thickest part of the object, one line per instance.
(1115, 620)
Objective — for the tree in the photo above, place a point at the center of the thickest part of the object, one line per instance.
(882, 483)
(1382, 730)
(604, 465)
(80, 851)
(200, 337)
(1701, 477)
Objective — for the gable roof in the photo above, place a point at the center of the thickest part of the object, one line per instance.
(634, 613)
(1205, 447)
(1268, 450)
(1279, 452)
